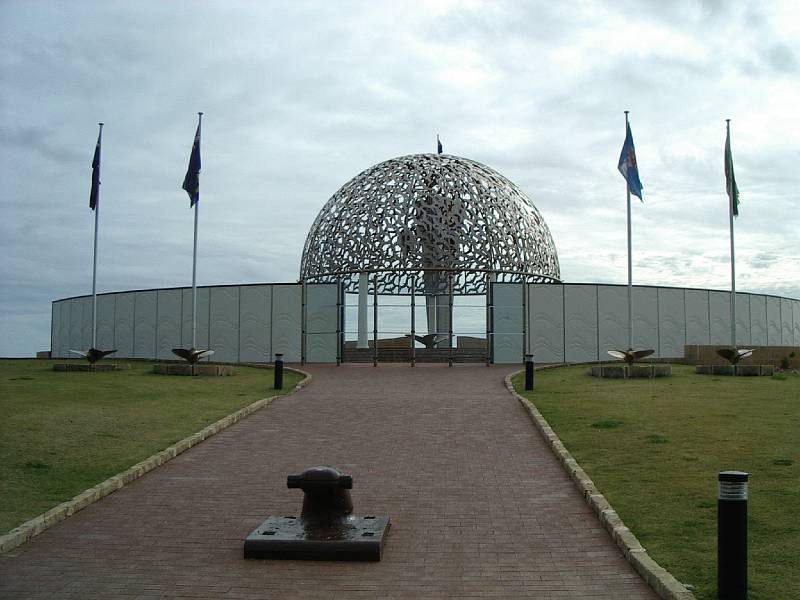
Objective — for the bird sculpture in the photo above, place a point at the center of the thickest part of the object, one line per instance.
(431, 340)
(734, 355)
(630, 355)
(93, 354)
(191, 355)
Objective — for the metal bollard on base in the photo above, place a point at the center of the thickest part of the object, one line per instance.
(278, 371)
(732, 535)
(529, 371)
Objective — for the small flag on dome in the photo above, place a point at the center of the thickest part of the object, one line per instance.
(439, 149)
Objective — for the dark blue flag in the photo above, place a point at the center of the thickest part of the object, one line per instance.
(438, 145)
(627, 164)
(95, 193)
(191, 183)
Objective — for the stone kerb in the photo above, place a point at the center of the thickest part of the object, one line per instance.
(37, 525)
(659, 579)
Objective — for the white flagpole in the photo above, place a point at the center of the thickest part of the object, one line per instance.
(94, 259)
(194, 255)
(630, 263)
(728, 154)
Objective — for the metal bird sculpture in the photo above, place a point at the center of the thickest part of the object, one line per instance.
(191, 355)
(431, 340)
(734, 355)
(630, 355)
(93, 354)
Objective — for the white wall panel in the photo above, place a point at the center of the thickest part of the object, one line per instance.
(671, 323)
(105, 322)
(287, 306)
(144, 324)
(75, 324)
(55, 329)
(546, 318)
(223, 332)
(645, 318)
(86, 325)
(787, 333)
(123, 324)
(719, 305)
(321, 322)
(507, 317)
(796, 319)
(580, 323)
(697, 327)
(773, 321)
(63, 341)
(255, 323)
(612, 319)
(743, 335)
(168, 329)
(758, 320)
(202, 319)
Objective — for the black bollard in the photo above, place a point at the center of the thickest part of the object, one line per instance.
(529, 372)
(278, 371)
(732, 536)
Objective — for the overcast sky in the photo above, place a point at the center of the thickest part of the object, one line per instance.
(301, 96)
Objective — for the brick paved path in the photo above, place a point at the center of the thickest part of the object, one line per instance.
(479, 506)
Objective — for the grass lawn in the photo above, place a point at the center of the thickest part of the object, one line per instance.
(654, 448)
(61, 433)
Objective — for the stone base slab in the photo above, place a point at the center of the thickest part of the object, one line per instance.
(88, 367)
(196, 369)
(648, 371)
(735, 370)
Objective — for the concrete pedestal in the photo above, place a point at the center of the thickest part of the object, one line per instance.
(735, 370)
(196, 369)
(97, 367)
(633, 372)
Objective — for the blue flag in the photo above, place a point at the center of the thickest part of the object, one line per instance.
(95, 193)
(627, 165)
(191, 183)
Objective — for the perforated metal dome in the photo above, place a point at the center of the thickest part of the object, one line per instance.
(427, 213)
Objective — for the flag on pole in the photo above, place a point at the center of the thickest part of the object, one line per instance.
(95, 193)
(730, 179)
(439, 149)
(627, 165)
(191, 183)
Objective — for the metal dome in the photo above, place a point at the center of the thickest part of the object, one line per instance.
(430, 215)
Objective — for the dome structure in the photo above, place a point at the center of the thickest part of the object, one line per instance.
(449, 219)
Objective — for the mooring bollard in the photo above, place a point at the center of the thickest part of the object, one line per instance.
(278, 371)
(732, 536)
(529, 371)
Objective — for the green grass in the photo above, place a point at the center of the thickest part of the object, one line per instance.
(654, 448)
(61, 433)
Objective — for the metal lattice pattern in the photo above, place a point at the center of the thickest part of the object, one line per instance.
(429, 215)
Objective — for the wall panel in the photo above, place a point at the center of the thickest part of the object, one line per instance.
(758, 320)
(719, 305)
(202, 319)
(321, 322)
(580, 323)
(773, 321)
(507, 322)
(287, 305)
(123, 324)
(787, 333)
(546, 319)
(75, 325)
(612, 303)
(223, 331)
(796, 319)
(144, 324)
(255, 324)
(697, 326)
(671, 323)
(645, 318)
(743, 335)
(105, 322)
(55, 329)
(168, 330)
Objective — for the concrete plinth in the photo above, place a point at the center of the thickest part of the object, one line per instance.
(97, 367)
(196, 369)
(633, 372)
(735, 370)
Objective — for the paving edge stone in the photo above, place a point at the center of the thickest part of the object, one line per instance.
(30, 529)
(659, 579)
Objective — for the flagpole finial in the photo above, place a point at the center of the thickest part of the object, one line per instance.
(101, 124)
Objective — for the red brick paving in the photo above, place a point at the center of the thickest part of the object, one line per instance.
(480, 507)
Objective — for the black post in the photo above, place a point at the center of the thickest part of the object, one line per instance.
(278, 371)
(529, 372)
(732, 536)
